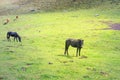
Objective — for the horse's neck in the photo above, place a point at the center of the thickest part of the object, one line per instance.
(18, 36)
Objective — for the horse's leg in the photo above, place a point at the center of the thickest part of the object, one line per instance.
(67, 44)
(8, 37)
(66, 50)
(14, 39)
(79, 51)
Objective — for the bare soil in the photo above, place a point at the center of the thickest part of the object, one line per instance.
(115, 26)
(112, 25)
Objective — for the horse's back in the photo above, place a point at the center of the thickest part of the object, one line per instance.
(12, 33)
(74, 42)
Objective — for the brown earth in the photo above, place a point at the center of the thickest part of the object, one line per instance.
(8, 7)
(115, 26)
(112, 25)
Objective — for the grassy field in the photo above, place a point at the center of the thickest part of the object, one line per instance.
(40, 56)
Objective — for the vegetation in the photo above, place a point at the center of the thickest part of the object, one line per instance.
(40, 56)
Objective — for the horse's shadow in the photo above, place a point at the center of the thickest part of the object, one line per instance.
(67, 56)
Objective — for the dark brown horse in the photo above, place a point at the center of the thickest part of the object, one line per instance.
(77, 43)
(15, 35)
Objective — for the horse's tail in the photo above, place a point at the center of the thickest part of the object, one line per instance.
(65, 47)
(67, 43)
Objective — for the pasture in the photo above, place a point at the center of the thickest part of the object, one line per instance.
(40, 55)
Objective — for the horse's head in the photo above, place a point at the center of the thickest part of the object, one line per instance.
(8, 37)
(19, 38)
(81, 42)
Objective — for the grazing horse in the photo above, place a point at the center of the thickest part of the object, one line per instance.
(15, 18)
(77, 43)
(15, 35)
(6, 21)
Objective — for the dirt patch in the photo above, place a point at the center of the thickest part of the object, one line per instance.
(1, 78)
(23, 68)
(115, 26)
(9, 46)
(83, 57)
(86, 76)
(65, 61)
(50, 63)
(11, 51)
(28, 64)
(112, 25)
(104, 73)
(91, 69)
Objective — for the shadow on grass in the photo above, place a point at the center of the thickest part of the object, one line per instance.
(66, 56)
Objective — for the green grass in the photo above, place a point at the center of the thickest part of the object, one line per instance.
(43, 37)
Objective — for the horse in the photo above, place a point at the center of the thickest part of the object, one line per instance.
(77, 43)
(15, 18)
(13, 34)
(6, 21)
